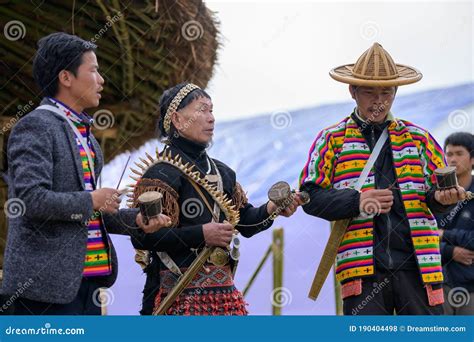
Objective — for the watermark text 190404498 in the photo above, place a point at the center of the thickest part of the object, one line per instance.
(377, 328)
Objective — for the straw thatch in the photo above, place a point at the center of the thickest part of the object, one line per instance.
(144, 47)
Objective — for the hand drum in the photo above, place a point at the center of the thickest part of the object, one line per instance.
(446, 178)
(281, 194)
(150, 205)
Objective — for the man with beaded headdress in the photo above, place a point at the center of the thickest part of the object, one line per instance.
(388, 245)
(206, 207)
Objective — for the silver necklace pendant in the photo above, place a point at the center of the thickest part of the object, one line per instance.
(208, 166)
(212, 178)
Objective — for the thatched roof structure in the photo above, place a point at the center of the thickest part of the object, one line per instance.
(144, 47)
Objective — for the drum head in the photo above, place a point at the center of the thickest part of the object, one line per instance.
(279, 192)
(150, 196)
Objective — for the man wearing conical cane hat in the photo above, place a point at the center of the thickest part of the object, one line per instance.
(373, 175)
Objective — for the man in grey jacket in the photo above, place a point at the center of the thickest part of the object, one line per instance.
(58, 252)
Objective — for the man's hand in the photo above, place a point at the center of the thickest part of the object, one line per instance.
(218, 234)
(376, 201)
(154, 224)
(289, 210)
(106, 200)
(463, 256)
(450, 196)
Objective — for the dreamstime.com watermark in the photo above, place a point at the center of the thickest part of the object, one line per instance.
(14, 208)
(103, 119)
(377, 288)
(192, 30)
(281, 297)
(453, 213)
(22, 287)
(192, 208)
(22, 110)
(110, 21)
(14, 30)
(281, 119)
(46, 330)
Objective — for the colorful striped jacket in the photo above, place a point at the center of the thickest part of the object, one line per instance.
(336, 160)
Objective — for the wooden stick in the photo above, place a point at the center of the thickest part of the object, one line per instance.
(257, 270)
(277, 270)
(184, 281)
(329, 255)
(123, 172)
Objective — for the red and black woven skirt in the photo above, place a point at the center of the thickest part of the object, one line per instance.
(211, 293)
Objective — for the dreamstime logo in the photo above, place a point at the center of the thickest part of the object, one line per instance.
(281, 296)
(369, 30)
(103, 297)
(14, 208)
(458, 296)
(14, 30)
(192, 30)
(103, 119)
(371, 206)
(192, 208)
(458, 119)
(281, 120)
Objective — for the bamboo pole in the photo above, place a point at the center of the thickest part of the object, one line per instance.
(338, 298)
(277, 269)
(257, 271)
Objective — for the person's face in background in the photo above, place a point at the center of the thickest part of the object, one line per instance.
(459, 157)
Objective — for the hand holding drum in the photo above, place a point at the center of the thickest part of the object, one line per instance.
(285, 201)
(150, 205)
(150, 212)
(449, 191)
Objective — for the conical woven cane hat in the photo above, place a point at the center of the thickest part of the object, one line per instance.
(376, 68)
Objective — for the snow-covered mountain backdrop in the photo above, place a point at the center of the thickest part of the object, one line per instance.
(274, 147)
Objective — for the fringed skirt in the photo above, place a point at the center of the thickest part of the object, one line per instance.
(211, 293)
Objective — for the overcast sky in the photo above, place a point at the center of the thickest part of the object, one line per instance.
(277, 55)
